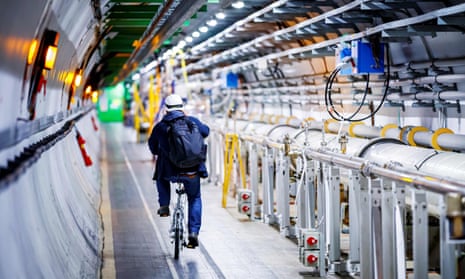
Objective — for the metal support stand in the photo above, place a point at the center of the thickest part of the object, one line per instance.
(268, 185)
(366, 238)
(310, 196)
(253, 176)
(387, 229)
(376, 233)
(399, 232)
(448, 248)
(282, 192)
(420, 234)
(333, 216)
(354, 219)
(321, 226)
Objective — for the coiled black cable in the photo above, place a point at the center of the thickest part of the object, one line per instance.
(329, 102)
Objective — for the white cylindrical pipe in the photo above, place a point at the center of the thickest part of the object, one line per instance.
(452, 141)
(294, 121)
(365, 131)
(385, 153)
(452, 95)
(423, 138)
(391, 132)
(400, 97)
(334, 127)
(446, 164)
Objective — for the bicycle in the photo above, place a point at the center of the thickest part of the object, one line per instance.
(178, 223)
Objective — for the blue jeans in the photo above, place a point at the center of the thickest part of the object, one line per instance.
(194, 200)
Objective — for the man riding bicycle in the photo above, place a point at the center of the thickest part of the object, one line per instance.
(166, 171)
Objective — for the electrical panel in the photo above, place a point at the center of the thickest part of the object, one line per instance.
(309, 247)
(244, 201)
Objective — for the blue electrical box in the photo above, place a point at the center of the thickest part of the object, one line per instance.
(232, 80)
(366, 59)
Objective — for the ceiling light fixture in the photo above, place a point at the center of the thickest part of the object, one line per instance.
(195, 34)
(189, 39)
(203, 29)
(182, 44)
(211, 22)
(220, 15)
(238, 5)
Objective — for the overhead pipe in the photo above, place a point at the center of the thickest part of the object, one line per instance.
(444, 63)
(441, 139)
(427, 79)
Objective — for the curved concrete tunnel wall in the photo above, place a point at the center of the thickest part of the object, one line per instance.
(49, 217)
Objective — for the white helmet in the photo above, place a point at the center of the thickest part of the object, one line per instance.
(173, 102)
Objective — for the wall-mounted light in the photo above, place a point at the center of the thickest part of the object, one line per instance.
(32, 51)
(42, 57)
(50, 48)
(50, 57)
(78, 77)
(94, 97)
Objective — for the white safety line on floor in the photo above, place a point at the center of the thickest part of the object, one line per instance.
(108, 262)
(173, 270)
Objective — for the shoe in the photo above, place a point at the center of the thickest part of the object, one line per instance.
(164, 211)
(193, 241)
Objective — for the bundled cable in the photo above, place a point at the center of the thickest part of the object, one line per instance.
(329, 102)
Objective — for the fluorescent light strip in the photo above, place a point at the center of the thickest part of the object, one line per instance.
(390, 25)
(239, 23)
(293, 28)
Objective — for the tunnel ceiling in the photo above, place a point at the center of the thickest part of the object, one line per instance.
(129, 26)
(134, 31)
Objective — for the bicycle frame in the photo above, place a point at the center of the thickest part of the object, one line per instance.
(178, 222)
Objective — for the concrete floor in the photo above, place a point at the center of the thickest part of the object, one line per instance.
(137, 243)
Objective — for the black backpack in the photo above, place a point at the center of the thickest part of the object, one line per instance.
(187, 148)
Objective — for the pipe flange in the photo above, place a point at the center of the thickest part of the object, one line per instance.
(436, 134)
(289, 119)
(326, 124)
(352, 126)
(365, 169)
(403, 132)
(388, 127)
(411, 134)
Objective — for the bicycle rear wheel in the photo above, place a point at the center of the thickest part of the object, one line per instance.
(177, 242)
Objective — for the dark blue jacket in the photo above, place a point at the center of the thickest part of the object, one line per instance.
(158, 144)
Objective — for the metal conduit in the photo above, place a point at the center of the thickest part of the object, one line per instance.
(355, 129)
(434, 184)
